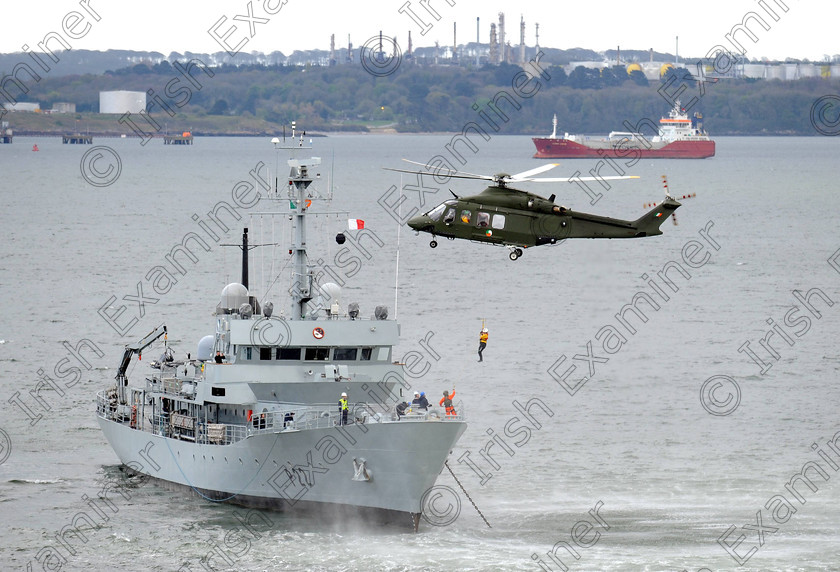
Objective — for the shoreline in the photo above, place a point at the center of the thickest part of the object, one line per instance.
(324, 134)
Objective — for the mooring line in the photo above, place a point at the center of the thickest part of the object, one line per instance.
(466, 493)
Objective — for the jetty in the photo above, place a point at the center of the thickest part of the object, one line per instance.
(185, 138)
(77, 139)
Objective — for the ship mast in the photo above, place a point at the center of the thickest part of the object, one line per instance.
(299, 181)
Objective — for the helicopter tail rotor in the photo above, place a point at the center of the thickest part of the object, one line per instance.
(668, 196)
(649, 223)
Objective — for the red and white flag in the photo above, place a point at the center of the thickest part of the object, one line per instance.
(356, 223)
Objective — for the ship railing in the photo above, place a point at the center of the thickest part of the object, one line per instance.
(108, 407)
(435, 414)
(300, 417)
(171, 384)
(287, 417)
(106, 404)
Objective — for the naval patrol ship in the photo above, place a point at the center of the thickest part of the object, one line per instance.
(303, 410)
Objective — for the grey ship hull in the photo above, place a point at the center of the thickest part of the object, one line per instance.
(291, 469)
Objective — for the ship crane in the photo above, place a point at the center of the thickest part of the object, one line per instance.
(130, 350)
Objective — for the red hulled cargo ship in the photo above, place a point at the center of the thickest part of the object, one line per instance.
(679, 138)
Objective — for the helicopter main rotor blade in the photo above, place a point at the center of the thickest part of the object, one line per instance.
(449, 174)
(525, 175)
(573, 179)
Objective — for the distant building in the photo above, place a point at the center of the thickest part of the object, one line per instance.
(63, 107)
(122, 101)
(23, 106)
(654, 70)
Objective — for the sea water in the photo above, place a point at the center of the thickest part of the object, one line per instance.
(599, 438)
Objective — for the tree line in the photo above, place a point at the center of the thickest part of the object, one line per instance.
(443, 98)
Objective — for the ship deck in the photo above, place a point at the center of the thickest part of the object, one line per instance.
(284, 418)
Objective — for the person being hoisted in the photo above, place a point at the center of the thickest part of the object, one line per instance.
(446, 401)
(482, 342)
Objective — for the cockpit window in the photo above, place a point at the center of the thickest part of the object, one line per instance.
(435, 213)
(450, 216)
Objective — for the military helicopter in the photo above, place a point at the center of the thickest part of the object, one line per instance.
(516, 219)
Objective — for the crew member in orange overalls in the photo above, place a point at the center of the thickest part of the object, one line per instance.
(446, 401)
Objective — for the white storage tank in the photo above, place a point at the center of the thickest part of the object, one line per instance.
(756, 71)
(808, 70)
(776, 72)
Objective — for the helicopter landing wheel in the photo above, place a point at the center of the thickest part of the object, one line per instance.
(433, 244)
(513, 255)
(518, 252)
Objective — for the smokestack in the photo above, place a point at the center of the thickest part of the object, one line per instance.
(454, 41)
(477, 42)
(678, 51)
(521, 39)
(494, 47)
(502, 57)
(332, 50)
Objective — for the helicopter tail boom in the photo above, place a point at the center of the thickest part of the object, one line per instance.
(649, 223)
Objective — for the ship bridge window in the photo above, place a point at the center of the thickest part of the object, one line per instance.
(288, 353)
(345, 354)
(366, 354)
(498, 221)
(246, 353)
(435, 213)
(317, 354)
(265, 353)
(384, 354)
